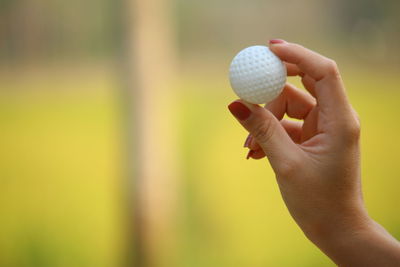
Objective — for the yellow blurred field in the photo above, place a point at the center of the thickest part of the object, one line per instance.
(61, 174)
(60, 171)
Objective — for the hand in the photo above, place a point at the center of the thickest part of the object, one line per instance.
(317, 159)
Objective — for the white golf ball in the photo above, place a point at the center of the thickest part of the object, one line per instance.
(257, 75)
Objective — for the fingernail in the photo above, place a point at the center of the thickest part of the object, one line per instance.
(277, 41)
(250, 154)
(248, 140)
(239, 110)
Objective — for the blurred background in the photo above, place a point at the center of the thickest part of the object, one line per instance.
(116, 146)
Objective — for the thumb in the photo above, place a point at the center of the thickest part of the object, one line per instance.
(280, 150)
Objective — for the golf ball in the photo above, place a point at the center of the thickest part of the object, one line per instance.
(257, 75)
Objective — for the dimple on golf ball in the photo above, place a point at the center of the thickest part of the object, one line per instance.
(257, 75)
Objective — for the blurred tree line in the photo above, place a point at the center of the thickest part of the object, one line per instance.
(49, 29)
(369, 29)
(372, 28)
(55, 28)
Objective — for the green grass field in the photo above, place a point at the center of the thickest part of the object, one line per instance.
(60, 174)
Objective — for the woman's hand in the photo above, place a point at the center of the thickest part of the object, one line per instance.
(317, 159)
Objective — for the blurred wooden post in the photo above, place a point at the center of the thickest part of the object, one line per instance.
(150, 67)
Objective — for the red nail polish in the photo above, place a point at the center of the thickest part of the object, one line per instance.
(239, 110)
(277, 41)
(248, 141)
(250, 154)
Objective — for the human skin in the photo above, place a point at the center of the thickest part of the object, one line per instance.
(317, 159)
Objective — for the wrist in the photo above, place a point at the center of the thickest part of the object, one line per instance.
(332, 231)
(357, 241)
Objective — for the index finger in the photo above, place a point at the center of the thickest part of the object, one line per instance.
(329, 88)
(308, 61)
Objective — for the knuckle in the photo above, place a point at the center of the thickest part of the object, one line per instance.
(356, 116)
(355, 130)
(331, 67)
(352, 130)
(263, 131)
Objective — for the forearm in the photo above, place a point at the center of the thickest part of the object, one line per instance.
(365, 245)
